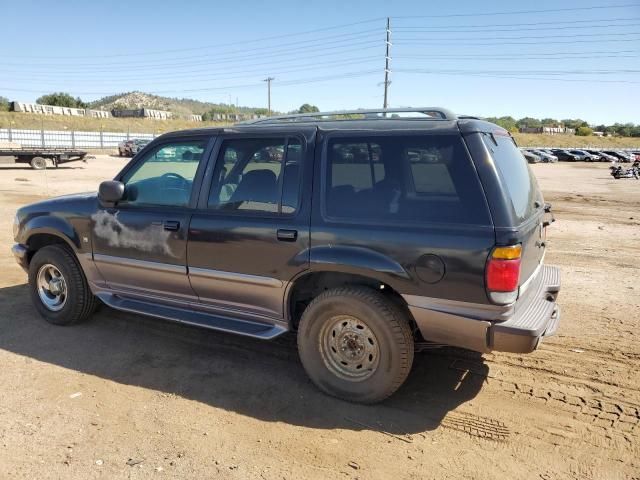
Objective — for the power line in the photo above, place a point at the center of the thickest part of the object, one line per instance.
(513, 76)
(206, 47)
(510, 24)
(422, 30)
(208, 75)
(293, 82)
(541, 38)
(475, 44)
(520, 12)
(226, 59)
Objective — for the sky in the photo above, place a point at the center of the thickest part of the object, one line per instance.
(569, 59)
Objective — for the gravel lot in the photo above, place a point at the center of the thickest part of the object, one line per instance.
(123, 396)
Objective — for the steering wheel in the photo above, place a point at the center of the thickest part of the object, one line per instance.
(169, 175)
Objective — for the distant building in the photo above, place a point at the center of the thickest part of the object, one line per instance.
(143, 113)
(549, 130)
(55, 110)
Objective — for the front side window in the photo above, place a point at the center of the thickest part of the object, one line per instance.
(165, 175)
(259, 175)
(406, 179)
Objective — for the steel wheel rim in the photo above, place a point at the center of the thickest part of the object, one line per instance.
(52, 287)
(349, 348)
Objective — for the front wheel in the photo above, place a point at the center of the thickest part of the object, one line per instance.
(59, 289)
(355, 344)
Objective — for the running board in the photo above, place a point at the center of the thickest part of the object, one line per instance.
(191, 317)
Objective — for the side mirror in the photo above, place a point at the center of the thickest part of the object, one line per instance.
(110, 192)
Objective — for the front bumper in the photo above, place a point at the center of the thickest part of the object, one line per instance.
(20, 253)
(484, 328)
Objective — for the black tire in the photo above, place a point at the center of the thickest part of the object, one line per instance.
(38, 163)
(392, 332)
(80, 302)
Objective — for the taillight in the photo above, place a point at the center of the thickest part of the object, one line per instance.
(503, 274)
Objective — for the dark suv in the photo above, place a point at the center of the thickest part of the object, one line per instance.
(365, 232)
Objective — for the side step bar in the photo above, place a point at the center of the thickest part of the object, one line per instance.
(191, 317)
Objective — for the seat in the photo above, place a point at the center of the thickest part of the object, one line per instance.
(256, 186)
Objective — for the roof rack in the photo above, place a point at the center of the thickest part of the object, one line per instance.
(431, 113)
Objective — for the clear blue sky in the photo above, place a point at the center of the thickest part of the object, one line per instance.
(561, 64)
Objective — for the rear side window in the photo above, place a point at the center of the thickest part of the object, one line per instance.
(259, 175)
(516, 174)
(406, 179)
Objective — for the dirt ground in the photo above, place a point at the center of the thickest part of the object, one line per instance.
(123, 396)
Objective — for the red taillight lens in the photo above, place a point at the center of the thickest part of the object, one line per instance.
(503, 275)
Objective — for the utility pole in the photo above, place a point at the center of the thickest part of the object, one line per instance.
(269, 80)
(387, 59)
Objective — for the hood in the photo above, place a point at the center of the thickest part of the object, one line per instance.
(77, 202)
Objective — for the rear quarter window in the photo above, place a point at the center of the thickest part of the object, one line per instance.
(516, 175)
(408, 179)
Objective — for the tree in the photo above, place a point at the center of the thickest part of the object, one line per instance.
(306, 108)
(61, 99)
(4, 104)
(583, 131)
(549, 121)
(528, 122)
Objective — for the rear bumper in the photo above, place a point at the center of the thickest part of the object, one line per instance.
(486, 328)
(20, 254)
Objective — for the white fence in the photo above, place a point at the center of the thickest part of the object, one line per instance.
(65, 138)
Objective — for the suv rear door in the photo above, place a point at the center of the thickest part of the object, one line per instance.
(250, 234)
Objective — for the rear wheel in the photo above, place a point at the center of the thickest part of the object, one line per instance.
(38, 163)
(59, 289)
(355, 344)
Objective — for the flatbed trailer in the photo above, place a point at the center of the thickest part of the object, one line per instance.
(37, 157)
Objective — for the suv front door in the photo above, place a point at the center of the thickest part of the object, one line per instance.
(250, 235)
(139, 246)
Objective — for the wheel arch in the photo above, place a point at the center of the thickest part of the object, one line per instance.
(303, 289)
(42, 231)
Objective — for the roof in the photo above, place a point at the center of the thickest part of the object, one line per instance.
(419, 119)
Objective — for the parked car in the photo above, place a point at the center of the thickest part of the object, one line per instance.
(604, 157)
(546, 156)
(366, 236)
(619, 156)
(137, 145)
(530, 156)
(564, 155)
(124, 148)
(584, 156)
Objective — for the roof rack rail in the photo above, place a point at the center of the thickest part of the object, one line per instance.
(432, 113)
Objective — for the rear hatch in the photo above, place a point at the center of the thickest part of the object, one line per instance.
(525, 205)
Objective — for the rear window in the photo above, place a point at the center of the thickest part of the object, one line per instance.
(515, 172)
(407, 179)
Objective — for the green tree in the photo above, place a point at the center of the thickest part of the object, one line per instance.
(528, 122)
(61, 99)
(4, 104)
(306, 108)
(549, 121)
(583, 131)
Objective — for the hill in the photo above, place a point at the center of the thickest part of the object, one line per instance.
(179, 106)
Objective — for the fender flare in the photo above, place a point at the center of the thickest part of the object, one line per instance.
(50, 225)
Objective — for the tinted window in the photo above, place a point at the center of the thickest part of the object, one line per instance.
(409, 179)
(257, 175)
(165, 175)
(515, 173)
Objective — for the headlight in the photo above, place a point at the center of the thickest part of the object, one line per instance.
(16, 227)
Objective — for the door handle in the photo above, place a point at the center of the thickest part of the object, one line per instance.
(287, 235)
(171, 225)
